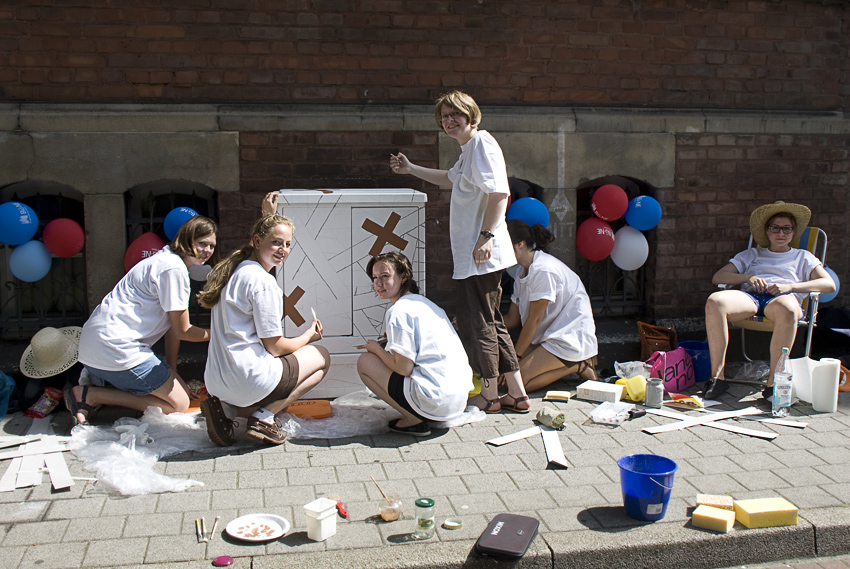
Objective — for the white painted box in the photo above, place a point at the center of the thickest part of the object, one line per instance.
(337, 231)
(599, 391)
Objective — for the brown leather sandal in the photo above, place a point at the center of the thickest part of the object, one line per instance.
(488, 408)
(514, 407)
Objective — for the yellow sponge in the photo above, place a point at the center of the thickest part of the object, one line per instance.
(713, 518)
(766, 512)
(636, 387)
(715, 501)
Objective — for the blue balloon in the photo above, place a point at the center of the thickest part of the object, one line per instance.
(175, 220)
(826, 297)
(18, 223)
(643, 213)
(530, 211)
(30, 262)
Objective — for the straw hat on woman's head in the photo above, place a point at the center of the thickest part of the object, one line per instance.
(759, 218)
(51, 351)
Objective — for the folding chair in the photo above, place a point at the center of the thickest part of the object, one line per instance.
(813, 239)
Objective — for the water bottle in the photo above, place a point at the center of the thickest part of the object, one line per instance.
(782, 386)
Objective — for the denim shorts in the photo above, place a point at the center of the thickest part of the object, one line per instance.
(761, 299)
(143, 379)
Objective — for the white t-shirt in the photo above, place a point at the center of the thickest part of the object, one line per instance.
(441, 380)
(794, 266)
(240, 370)
(479, 172)
(567, 329)
(130, 319)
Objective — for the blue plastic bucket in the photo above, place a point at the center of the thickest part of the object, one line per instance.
(647, 482)
(700, 356)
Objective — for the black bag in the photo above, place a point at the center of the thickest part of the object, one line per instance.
(508, 536)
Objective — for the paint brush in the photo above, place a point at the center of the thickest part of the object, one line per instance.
(204, 530)
(198, 529)
(381, 491)
(215, 524)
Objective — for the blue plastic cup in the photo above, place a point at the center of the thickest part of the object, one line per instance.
(647, 482)
(701, 358)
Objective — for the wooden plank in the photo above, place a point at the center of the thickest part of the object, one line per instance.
(721, 426)
(10, 477)
(692, 421)
(554, 450)
(60, 476)
(514, 437)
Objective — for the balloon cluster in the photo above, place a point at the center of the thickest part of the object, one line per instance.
(31, 259)
(628, 247)
(147, 244)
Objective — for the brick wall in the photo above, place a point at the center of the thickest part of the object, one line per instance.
(679, 53)
(720, 179)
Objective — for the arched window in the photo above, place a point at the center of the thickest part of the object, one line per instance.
(59, 299)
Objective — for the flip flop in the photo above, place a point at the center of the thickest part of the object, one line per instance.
(75, 406)
(514, 407)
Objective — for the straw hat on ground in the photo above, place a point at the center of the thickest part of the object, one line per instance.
(51, 351)
(759, 217)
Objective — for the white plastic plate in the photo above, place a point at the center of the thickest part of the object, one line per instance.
(258, 527)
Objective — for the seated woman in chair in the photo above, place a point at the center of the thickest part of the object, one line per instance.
(774, 279)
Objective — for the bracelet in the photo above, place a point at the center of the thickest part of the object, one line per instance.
(486, 234)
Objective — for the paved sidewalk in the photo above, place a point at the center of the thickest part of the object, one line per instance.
(580, 509)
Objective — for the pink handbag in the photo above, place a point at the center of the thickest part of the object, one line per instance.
(675, 368)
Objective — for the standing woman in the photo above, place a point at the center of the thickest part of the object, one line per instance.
(251, 365)
(481, 247)
(558, 332)
(422, 371)
(151, 300)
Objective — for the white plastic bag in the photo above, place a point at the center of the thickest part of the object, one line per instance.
(127, 469)
(627, 370)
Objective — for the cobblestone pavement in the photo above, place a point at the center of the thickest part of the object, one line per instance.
(582, 521)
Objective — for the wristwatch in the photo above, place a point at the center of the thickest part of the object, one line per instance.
(487, 234)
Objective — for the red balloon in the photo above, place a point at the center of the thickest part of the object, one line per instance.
(146, 245)
(64, 237)
(609, 202)
(594, 239)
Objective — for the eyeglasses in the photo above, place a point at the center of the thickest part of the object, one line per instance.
(786, 229)
(456, 115)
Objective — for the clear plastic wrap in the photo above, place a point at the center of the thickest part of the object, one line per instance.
(627, 370)
(124, 455)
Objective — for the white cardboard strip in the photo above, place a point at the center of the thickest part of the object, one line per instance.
(53, 447)
(721, 426)
(514, 437)
(554, 450)
(6, 442)
(60, 476)
(692, 421)
(10, 477)
(771, 420)
(30, 473)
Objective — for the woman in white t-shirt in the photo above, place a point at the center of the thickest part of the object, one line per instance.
(250, 364)
(422, 370)
(774, 278)
(481, 247)
(558, 334)
(151, 300)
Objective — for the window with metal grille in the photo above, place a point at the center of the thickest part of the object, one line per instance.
(148, 204)
(59, 299)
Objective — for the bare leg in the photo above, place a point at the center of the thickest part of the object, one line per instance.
(541, 368)
(720, 308)
(785, 312)
(516, 389)
(313, 364)
(171, 397)
(376, 376)
(488, 399)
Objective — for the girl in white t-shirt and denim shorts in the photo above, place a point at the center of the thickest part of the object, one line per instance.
(151, 300)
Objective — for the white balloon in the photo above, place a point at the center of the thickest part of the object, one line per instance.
(199, 272)
(630, 248)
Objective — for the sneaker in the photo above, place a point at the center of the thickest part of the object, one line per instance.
(714, 387)
(219, 426)
(269, 432)
(418, 430)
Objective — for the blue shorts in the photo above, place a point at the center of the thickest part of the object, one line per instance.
(143, 379)
(761, 299)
